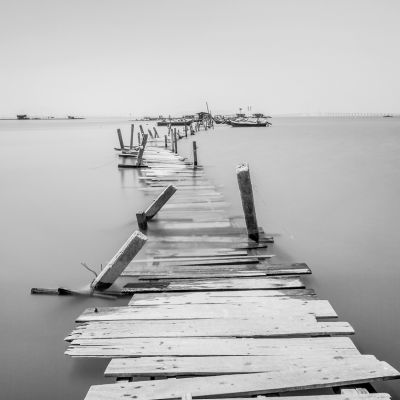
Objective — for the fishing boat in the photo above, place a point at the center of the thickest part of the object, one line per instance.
(249, 122)
(175, 122)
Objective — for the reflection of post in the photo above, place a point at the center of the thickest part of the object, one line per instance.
(131, 143)
(119, 262)
(141, 150)
(246, 193)
(194, 153)
(121, 142)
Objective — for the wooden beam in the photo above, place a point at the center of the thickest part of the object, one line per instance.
(119, 262)
(141, 150)
(159, 202)
(246, 194)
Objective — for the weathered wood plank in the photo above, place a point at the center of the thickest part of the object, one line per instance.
(278, 326)
(246, 384)
(135, 347)
(265, 283)
(203, 366)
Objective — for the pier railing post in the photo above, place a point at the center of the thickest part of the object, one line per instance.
(121, 141)
(131, 143)
(119, 262)
(246, 194)
(194, 153)
(141, 150)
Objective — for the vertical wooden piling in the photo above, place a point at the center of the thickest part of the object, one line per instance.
(166, 141)
(131, 143)
(121, 141)
(159, 202)
(175, 142)
(119, 262)
(194, 153)
(246, 194)
(141, 220)
(141, 150)
(138, 138)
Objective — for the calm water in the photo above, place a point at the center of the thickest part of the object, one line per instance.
(328, 187)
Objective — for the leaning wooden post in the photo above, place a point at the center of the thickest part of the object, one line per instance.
(246, 193)
(155, 132)
(141, 129)
(194, 153)
(131, 143)
(138, 138)
(166, 141)
(141, 220)
(141, 150)
(159, 202)
(119, 262)
(150, 133)
(121, 141)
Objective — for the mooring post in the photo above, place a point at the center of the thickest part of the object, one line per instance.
(155, 132)
(159, 202)
(194, 153)
(166, 141)
(138, 138)
(131, 143)
(172, 141)
(175, 142)
(141, 129)
(141, 220)
(186, 129)
(246, 194)
(150, 133)
(119, 262)
(141, 150)
(121, 141)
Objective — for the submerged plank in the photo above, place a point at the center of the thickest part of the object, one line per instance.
(245, 384)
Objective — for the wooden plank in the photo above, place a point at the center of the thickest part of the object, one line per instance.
(218, 296)
(263, 308)
(247, 384)
(135, 347)
(119, 262)
(304, 326)
(160, 201)
(203, 366)
(267, 283)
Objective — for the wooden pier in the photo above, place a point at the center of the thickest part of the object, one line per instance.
(212, 313)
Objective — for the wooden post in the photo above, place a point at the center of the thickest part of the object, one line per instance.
(172, 141)
(138, 138)
(141, 220)
(194, 153)
(150, 133)
(166, 141)
(131, 143)
(119, 262)
(246, 193)
(141, 150)
(175, 142)
(121, 141)
(155, 132)
(159, 202)
(186, 129)
(141, 129)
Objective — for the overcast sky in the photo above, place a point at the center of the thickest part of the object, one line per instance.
(121, 57)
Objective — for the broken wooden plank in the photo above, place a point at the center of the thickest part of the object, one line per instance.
(160, 201)
(246, 384)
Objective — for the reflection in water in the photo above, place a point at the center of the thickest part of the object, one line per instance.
(329, 187)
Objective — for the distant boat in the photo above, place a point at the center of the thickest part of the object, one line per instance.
(22, 116)
(175, 122)
(73, 117)
(388, 116)
(249, 122)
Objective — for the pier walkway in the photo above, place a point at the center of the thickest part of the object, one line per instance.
(212, 313)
